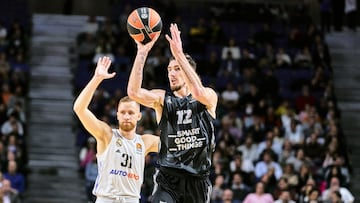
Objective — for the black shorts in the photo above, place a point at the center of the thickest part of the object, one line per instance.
(180, 188)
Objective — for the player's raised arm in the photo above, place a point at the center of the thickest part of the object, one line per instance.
(100, 130)
(205, 95)
(149, 98)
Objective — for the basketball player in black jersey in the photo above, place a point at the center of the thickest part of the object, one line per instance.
(185, 117)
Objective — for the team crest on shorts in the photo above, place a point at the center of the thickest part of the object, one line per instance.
(118, 142)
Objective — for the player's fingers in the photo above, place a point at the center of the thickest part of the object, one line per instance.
(168, 38)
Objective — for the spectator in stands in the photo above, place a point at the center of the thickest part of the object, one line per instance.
(350, 12)
(103, 48)
(249, 149)
(259, 195)
(9, 193)
(254, 126)
(239, 188)
(17, 41)
(218, 189)
(303, 58)
(284, 197)
(314, 196)
(239, 164)
(335, 197)
(4, 67)
(291, 175)
(266, 164)
(17, 179)
(346, 195)
(306, 189)
(91, 26)
(281, 185)
(86, 46)
(295, 133)
(247, 60)
(314, 148)
(270, 144)
(229, 66)
(299, 160)
(6, 93)
(87, 153)
(321, 55)
(16, 104)
(228, 197)
(12, 125)
(232, 48)
(91, 173)
(230, 97)
(19, 64)
(282, 58)
(3, 34)
(287, 152)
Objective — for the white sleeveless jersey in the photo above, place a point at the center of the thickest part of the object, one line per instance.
(120, 168)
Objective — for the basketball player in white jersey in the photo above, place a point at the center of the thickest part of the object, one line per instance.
(120, 152)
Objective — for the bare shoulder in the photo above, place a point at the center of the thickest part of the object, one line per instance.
(149, 137)
(151, 142)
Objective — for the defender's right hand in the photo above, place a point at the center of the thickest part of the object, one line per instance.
(102, 68)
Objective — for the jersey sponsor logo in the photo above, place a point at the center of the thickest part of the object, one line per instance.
(124, 174)
(186, 139)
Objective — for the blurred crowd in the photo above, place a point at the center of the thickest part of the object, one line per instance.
(278, 133)
(14, 83)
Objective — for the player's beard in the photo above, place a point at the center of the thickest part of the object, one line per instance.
(127, 127)
(177, 87)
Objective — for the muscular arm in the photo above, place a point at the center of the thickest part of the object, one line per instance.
(151, 143)
(149, 98)
(99, 129)
(205, 95)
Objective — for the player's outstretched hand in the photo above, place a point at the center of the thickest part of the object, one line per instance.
(175, 39)
(102, 68)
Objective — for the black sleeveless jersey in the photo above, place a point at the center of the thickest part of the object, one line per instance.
(187, 135)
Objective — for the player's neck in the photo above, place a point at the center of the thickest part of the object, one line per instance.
(183, 92)
(128, 134)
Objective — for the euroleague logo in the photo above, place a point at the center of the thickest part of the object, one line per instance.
(146, 16)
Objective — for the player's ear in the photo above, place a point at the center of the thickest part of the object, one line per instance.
(139, 116)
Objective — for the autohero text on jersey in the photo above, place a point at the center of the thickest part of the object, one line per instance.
(124, 173)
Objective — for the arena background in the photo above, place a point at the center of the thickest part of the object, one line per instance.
(46, 58)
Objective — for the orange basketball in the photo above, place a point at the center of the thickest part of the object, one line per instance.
(144, 24)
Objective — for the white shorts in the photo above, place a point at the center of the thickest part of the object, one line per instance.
(117, 200)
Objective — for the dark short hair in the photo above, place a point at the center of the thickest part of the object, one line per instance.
(189, 58)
